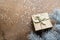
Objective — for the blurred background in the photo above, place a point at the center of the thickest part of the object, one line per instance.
(15, 16)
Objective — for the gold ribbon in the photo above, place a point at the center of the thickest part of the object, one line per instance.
(40, 21)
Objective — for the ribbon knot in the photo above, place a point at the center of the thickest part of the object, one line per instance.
(40, 20)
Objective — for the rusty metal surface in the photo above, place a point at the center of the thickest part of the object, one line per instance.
(15, 16)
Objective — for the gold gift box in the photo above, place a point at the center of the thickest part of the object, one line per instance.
(41, 21)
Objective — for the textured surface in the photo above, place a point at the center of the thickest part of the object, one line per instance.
(15, 16)
(52, 34)
(41, 21)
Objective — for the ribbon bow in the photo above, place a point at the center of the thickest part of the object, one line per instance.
(40, 20)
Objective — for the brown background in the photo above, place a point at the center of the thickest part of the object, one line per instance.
(15, 16)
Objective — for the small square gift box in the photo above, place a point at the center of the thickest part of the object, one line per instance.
(41, 21)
